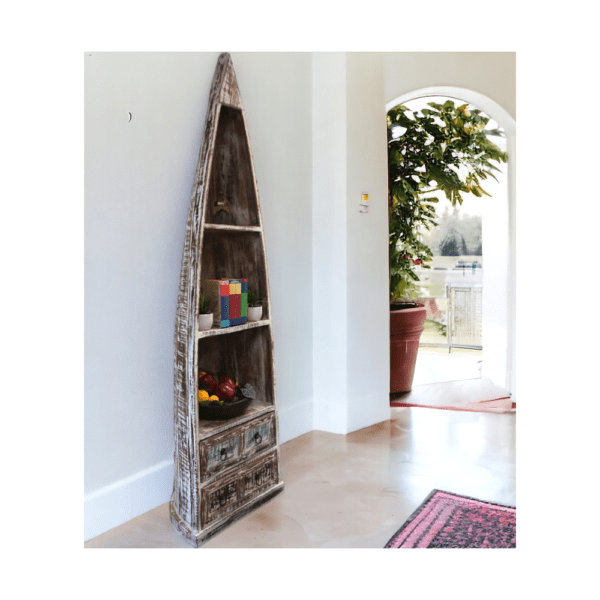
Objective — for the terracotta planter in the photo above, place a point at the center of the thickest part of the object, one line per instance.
(406, 327)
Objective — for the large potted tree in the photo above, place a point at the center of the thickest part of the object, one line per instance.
(443, 148)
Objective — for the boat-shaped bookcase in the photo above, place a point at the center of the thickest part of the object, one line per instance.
(223, 468)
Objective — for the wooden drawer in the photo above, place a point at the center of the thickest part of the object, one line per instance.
(219, 452)
(258, 475)
(232, 492)
(258, 435)
(227, 449)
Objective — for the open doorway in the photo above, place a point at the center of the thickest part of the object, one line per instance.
(452, 290)
(469, 289)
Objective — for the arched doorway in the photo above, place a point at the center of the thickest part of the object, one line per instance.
(498, 307)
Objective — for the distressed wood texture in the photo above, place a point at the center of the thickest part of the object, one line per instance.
(223, 469)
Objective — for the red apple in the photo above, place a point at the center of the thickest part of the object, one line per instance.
(209, 381)
(225, 390)
(227, 379)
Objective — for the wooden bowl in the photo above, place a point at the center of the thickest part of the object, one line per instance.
(227, 411)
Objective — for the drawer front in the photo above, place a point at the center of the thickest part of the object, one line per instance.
(258, 476)
(217, 501)
(220, 452)
(259, 436)
(231, 493)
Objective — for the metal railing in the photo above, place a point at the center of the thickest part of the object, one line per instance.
(463, 324)
(464, 316)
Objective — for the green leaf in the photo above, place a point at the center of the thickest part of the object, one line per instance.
(438, 151)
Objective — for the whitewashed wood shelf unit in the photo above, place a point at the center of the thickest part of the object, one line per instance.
(227, 468)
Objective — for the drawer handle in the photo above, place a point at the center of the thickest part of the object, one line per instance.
(257, 438)
(223, 453)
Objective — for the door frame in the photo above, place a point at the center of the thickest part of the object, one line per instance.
(506, 121)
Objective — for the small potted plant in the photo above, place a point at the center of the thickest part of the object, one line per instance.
(254, 308)
(205, 316)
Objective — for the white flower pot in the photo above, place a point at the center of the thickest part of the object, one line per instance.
(205, 322)
(254, 313)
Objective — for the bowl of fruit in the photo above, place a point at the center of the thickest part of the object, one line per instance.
(221, 396)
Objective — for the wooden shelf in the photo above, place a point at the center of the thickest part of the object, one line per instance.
(232, 329)
(236, 252)
(232, 173)
(238, 228)
(244, 353)
(210, 428)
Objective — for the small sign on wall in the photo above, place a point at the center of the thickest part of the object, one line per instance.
(364, 202)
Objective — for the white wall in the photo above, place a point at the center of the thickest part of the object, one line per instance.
(350, 250)
(492, 74)
(138, 180)
(368, 345)
(330, 280)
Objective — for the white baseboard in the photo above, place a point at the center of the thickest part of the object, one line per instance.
(126, 499)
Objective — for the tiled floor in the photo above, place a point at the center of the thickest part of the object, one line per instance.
(357, 490)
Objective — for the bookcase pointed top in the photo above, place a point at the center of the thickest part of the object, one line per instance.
(225, 79)
(231, 182)
(228, 467)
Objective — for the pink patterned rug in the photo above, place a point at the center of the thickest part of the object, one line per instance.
(446, 520)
